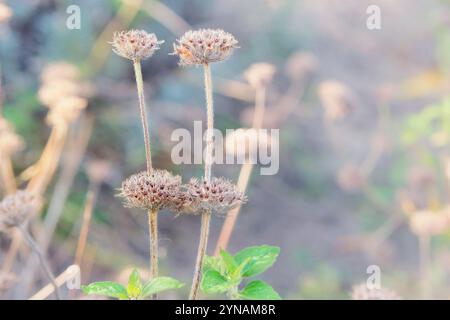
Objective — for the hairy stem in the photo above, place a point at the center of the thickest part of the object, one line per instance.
(202, 245)
(153, 230)
(206, 216)
(43, 261)
(143, 111)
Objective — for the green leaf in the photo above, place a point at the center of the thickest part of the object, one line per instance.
(259, 290)
(228, 261)
(213, 263)
(107, 289)
(214, 282)
(260, 258)
(134, 287)
(160, 284)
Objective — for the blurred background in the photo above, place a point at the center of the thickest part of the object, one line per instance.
(364, 119)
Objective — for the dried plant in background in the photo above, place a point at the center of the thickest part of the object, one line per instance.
(14, 211)
(258, 76)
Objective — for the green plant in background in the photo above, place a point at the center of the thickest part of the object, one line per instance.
(135, 289)
(225, 273)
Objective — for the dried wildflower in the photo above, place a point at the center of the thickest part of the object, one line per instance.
(15, 209)
(153, 191)
(66, 110)
(50, 93)
(5, 12)
(245, 142)
(259, 74)
(204, 46)
(99, 170)
(362, 292)
(428, 223)
(337, 99)
(350, 178)
(61, 71)
(10, 142)
(135, 44)
(219, 195)
(300, 64)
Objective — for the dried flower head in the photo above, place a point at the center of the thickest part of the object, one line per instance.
(51, 92)
(99, 170)
(60, 70)
(219, 195)
(300, 64)
(153, 191)
(5, 12)
(259, 74)
(429, 223)
(66, 110)
(204, 46)
(10, 142)
(15, 209)
(245, 142)
(362, 292)
(135, 44)
(337, 99)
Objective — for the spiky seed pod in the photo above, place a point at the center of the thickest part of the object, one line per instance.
(15, 209)
(153, 191)
(204, 46)
(135, 44)
(10, 142)
(219, 195)
(361, 292)
(259, 74)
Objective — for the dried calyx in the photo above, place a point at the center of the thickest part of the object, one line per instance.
(204, 46)
(135, 44)
(16, 208)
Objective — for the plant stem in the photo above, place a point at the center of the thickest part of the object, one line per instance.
(206, 215)
(153, 231)
(204, 233)
(143, 111)
(44, 264)
(152, 214)
(425, 257)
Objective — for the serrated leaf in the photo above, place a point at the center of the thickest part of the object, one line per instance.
(214, 282)
(160, 284)
(107, 289)
(134, 287)
(229, 262)
(259, 290)
(260, 258)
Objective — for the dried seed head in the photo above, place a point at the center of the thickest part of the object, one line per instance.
(337, 99)
(99, 170)
(259, 74)
(16, 208)
(10, 142)
(66, 110)
(361, 292)
(153, 191)
(300, 64)
(59, 71)
(5, 12)
(204, 46)
(51, 92)
(135, 44)
(429, 223)
(245, 142)
(219, 195)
